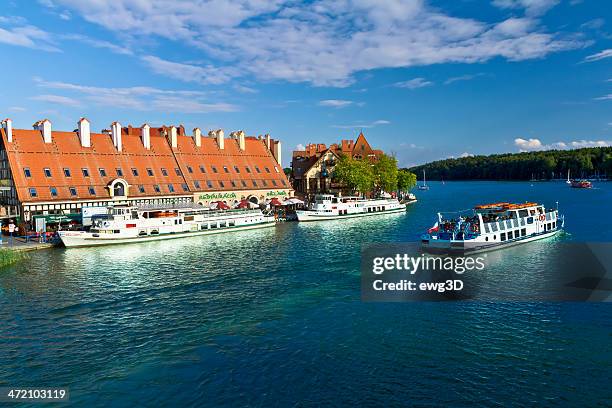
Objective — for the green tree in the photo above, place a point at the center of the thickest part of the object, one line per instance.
(405, 180)
(385, 173)
(356, 175)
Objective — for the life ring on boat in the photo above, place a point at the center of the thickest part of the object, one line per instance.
(475, 228)
(542, 217)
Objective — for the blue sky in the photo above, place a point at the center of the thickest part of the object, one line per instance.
(424, 79)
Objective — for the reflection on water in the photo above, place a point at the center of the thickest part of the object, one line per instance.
(274, 316)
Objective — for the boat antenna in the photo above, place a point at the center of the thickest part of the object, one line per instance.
(557, 205)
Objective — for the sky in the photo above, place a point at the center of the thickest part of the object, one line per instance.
(424, 80)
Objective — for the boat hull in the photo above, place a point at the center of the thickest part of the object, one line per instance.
(437, 246)
(309, 216)
(75, 239)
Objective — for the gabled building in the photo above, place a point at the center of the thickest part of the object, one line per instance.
(56, 173)
(312, 167)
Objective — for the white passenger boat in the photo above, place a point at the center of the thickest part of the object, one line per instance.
(127, 224)
(329, 207)
(492, 226)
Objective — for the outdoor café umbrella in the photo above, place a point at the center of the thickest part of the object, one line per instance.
(275, 202)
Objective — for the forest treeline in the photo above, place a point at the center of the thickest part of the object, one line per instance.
(582, 163)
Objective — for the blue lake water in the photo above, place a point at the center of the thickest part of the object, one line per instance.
(275, 318)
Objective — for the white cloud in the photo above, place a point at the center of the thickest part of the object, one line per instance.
(117, 49)
(531, 7)
(27, 36)
(599, 56)
(467, 77)
(141, 98)
(593, 24)
(413, 83)
(363, 125)
(322, 42)
(335, 103)
(604, 98)
(525, 145)
(189, 73)
(17, 109)
(466, 154)
(56, 99)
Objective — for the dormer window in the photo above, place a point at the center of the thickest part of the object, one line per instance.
(53, 191)
(102, 172)
(27, 172)
(47, 172)
(135, 172)
(85, 172)
(67, 172)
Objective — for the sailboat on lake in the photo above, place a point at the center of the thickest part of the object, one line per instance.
(424, 186)
(568, 177)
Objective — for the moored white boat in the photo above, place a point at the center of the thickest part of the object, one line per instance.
(125, 224)
(329, 207)
(492, 226)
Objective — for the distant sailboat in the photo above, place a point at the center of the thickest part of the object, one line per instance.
(568, 177)
(424, 186)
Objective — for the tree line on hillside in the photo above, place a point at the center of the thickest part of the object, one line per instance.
(363, 176)
(541, 165)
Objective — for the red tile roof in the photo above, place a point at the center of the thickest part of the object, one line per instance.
(28, 150)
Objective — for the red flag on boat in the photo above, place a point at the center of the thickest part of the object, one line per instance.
(435, 228)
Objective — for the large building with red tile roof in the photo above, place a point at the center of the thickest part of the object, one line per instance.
(44, 172)
(312, 167)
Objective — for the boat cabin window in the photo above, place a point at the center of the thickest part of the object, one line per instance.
(523, 213)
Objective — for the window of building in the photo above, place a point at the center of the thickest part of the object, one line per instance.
(135, 172)
(284, 183)
(92, 191)
(177, 171)
(196, 184)
(209, 184)
(189, 169)
(156, 188)
(67, 172)
(276, 169)
(225, 169)
(53, 191)
(248, 169)
(221, 184)
(47, 172)
(243, 183)
(202, 169)
(185, 187)
(141, 188)
(267, 170)
(119, 172)
(73, 191)
(236, 169)
(274, 183)
(150, 172)
(102, 172)
(264, 182)
(27, 172)
(502, 236)
(254, 183)
(233, 183)
(214, 169)
(171, 188)
(164, 172)
(85, 172)
(33, 192)
(257, 169)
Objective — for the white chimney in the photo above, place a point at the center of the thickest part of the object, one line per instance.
(7, 124)
(172, 135)
(197, 136)
(146, 136)
(220, 139)
(268, 141)
(116, 132)
(45, 127)
(241, 140)
(84, 132)
(276, 152)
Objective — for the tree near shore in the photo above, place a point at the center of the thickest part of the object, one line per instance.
(356, 175)
(385, 173)
(405, 180)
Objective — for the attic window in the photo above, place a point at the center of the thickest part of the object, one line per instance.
(85, 172)
(164, 172)
(47, 172)
(53, 191)
(141, 188)
(67, 172)
(92, 191)
(150, 172)
(257, 169)
(274, 183)
(177, 171)
(102, 172)
(248, 169)
(214, 169)
(267, 170)
(171, 188)
(276, 169)
(237, 169)
(209, 184)
(135, 172)
(27, 172)
(73, 191)
(243, 183)
(119, 173)
(225, 169)
(189, 169)
(185, 187)
(33, 192)
(202, 169)
(196, 183)
(156, 188)
(233, 183)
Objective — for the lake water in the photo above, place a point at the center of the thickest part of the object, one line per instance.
(275, 318)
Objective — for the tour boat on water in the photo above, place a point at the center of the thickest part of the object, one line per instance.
(581, 184)
(330, 207)
(492, 226)
(128, 224)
